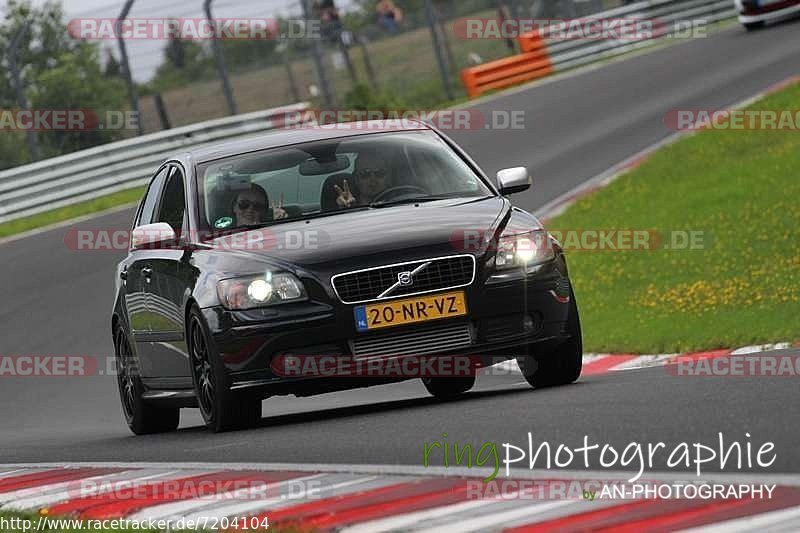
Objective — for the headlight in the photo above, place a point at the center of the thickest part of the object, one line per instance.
(523, 250)
(258, 291)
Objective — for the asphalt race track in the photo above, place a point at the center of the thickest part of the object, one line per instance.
(57, 302)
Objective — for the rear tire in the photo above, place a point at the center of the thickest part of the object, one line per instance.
(446, 388)
(753, 26)
(221, 408)
(561, 366)
(143, 418)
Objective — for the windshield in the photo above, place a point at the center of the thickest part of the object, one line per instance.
(332, 176)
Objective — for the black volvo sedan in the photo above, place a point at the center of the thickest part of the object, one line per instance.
(255, 264)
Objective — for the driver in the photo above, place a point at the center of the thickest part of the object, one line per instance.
(372, 178)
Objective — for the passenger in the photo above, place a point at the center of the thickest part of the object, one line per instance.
(250, 207)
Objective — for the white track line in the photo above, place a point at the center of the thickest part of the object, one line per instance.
(782, 520)
(72, 490)
(407, 520)
(761, 348)
(18, 471)
(645, 361)
(440, 471)
(183, 507)
(496, 519)
(251, 507)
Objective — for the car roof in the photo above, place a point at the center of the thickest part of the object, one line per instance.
(300, 134)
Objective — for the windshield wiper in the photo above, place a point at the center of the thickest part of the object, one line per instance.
(412, 200)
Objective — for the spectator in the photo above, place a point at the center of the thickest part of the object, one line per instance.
(389, 16)
(330, 23)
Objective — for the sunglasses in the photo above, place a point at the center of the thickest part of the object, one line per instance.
(375, 173)
(244, 205)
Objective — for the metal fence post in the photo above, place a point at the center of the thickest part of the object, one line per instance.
(440, 59)
(220, 59)
(287, 61)
(316, 54)
(22, 101)
(126, 66)
(367, 62)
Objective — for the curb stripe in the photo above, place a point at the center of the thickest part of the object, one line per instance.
(410, 499)
(605, 364)
(358, 485)
(362, 506)
(783, 518)
(24, 481)
(182, 508)
(497, 519)
(49, 497)
(710, 513)
(116, 508)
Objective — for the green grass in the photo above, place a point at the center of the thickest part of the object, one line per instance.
(742, 189)
(61, 214)
(55, 524)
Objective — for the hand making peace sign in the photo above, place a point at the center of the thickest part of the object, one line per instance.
(277, 210)
(344, 197)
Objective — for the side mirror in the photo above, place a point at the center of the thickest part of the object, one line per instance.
(157, 235)
(513, 180)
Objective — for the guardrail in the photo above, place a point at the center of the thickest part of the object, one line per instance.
(112, 167)
(562, 54)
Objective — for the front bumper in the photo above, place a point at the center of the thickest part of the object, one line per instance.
(507, 318)
(752, 12)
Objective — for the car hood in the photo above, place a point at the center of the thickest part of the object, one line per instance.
(379, 236)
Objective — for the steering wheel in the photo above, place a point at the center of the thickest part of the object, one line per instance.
(400, 190)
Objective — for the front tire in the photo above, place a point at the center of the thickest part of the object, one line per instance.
(222, 409)
(446, 388)
(753, 26)
(561, 366)
(143, 418)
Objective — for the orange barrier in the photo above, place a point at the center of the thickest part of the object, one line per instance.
(532, 63)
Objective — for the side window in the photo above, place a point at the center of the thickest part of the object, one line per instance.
(151, 198)
(173, 202)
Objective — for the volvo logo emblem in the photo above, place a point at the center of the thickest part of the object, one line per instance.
(405, 279)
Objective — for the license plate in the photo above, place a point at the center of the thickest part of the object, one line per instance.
(410, 311)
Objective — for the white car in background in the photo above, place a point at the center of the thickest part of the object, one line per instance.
(754, 14)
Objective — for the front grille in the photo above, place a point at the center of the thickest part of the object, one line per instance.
(421, 342)
(429, 275)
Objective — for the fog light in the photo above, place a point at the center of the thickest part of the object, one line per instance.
(527, 323)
